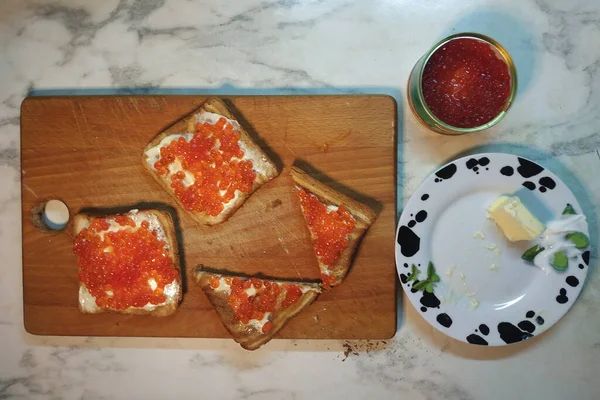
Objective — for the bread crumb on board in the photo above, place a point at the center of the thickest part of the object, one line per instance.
(358, 346)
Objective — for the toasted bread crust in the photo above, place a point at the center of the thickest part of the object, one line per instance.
(248, 337)
(363, 215)
(268, 170)
(81, 221)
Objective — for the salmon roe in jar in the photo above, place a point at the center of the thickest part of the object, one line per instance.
(252, 299)
(116, 266)
(329, 227)
(214, 159)
(465, 84)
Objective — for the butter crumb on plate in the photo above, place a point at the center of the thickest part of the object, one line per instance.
(473, 304)
(450, 270)
(479, 235)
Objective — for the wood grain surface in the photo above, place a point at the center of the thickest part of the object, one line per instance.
(87, 151)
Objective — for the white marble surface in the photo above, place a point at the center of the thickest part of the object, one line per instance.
(319, 46)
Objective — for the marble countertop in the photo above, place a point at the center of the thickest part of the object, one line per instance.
(307, 46)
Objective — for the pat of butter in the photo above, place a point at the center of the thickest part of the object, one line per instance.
(516, 221)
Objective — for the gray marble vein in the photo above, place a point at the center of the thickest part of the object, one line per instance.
(307, 46)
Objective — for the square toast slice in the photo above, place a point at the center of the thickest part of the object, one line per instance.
(195, 182)
(108, 261)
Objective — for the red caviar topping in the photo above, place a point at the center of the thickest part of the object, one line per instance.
(266, 299)
(267, 327)
(121, 264)
(215, 160)
(330, 228)
(292, 295)
(328, 280)
(124, 220)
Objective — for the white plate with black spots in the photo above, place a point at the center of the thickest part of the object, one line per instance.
(486, 294)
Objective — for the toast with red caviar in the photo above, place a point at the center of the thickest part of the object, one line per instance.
(208, 163)
(253, 310)
(336, 224)
(128, 263)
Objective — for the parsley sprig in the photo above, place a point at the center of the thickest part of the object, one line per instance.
(426, 284)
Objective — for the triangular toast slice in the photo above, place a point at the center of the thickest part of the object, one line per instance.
(208, 163)
(252, 309)
(336, 223)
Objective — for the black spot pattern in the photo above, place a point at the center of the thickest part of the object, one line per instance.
(413, 290)
(474, 164)
(405, 265)
(444, 320)
(409, 241)
(527, 168)
(547, 182)
(507, 171)
(511, 334)
(403, 278)
(526, 326)
(581, 266)
(411, 224)
(572, 281)
(529, 185)
(476, 339)
(542, 189)
(425, 197)
(484, 329)
(430, 300)
(562, 296)
(421, 216)
(446, 173)
(586, 257)
(423, 309)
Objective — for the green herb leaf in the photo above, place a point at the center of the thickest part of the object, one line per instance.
(429, 287)
(435, 278)
(414, 273)
(580, 240)
(530, 253)
(560, 261)
(420, 285)
(569, 210)
(430, 270)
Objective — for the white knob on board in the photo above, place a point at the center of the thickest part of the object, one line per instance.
(56, 214)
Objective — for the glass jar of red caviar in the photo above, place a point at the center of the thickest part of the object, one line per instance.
(465, 83)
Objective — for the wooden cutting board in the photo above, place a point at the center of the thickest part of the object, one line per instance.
(87, 151)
